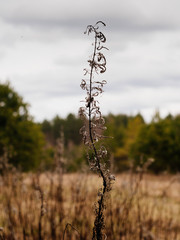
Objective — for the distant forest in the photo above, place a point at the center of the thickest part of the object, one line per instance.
(131, 142)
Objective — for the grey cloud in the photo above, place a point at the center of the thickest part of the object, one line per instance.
(120, 16)
(47, 85)
(156, 82)
(56, 20)
(2, 55)
(120, 86)
(114, 23)
(50, 94)
(46, 63)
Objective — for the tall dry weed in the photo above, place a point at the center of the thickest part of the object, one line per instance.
(92, 131)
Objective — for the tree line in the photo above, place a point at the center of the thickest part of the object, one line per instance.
(130, 141)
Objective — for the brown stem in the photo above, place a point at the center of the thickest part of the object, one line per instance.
(98, 225)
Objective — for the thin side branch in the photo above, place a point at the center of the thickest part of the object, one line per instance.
(68, 224)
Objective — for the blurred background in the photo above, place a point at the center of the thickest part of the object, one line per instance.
(43, 51)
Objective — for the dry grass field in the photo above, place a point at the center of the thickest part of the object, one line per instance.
(40, 207)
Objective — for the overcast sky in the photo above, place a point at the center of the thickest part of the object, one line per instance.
(43, 51)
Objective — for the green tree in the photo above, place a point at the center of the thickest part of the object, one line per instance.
(116, 127)
(71, 129)
(133, 128)
(20, 137)
(159, 140)
(124, 130)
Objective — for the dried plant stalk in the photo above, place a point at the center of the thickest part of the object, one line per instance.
(94, 125)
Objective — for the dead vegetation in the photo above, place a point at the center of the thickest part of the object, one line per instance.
(31, 207)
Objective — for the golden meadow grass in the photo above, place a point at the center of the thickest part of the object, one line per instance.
(149, 209)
